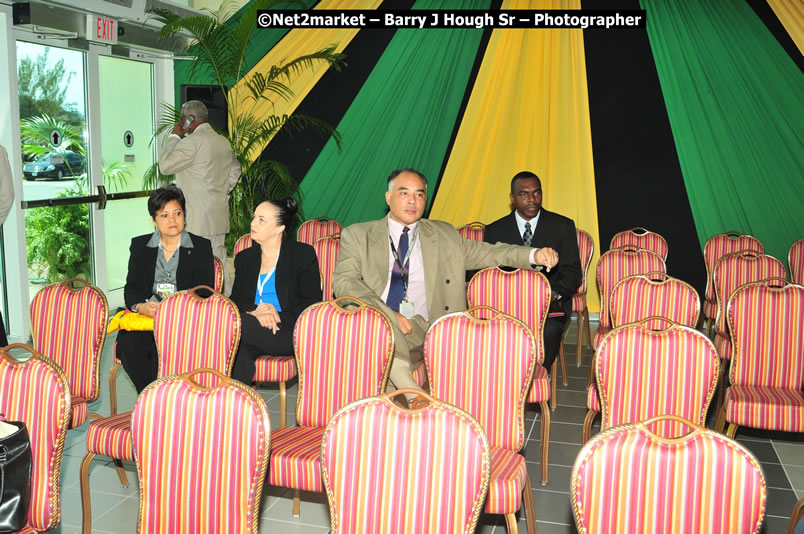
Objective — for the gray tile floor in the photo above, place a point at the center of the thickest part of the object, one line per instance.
(115, 508)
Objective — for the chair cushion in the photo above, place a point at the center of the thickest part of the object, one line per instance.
(296, 458)
(710, 309)
(274, 368)
(768, 408)
(508, 478)
(723, 346)
(578, 302)
(111, 436)
(420, 374)
(540, 391)
(27, 529)
(598, 337)
(79, 411)
(593, 399)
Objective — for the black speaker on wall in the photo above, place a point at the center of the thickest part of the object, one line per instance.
(214, 98)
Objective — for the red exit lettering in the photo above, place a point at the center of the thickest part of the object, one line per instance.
(105, 29)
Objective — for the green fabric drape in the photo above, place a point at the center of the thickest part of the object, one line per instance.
(262, 40)
(402, 117)
(735, 101)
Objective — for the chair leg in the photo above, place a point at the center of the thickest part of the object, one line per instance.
(86, 505)
(530, 509)
(580, 338)
(510, 522)
(121, 473)
(588, 329)
(591, 378)
(545, 440)
(563, 357)
(720, 422)
(553, 379)
(283, 404)
(587, 425)
(296, 503)
(732, 430)
(113, 388)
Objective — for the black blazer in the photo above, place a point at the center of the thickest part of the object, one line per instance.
(196, 268)
(554, 231)
(298, 282)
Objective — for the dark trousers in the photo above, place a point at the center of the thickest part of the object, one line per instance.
(553, 332)
(136, 350)
(256, 341)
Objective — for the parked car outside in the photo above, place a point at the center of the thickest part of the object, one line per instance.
(55, 165)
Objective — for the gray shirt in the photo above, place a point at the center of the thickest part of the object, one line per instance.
(165, 272)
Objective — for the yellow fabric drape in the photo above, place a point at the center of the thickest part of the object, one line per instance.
(791, 14)
(297, 42)
(529, 110)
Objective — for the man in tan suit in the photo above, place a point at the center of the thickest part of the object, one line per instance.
(206, 171)
(413, 269)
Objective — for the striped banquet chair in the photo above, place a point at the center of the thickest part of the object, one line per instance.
(268, 368)
(202, 452)
(482, 362)
(314, 229)
(344, 349)
(640, 238)
(69, 327)
(523, 294)
(191, 333)
(474, 231)
(390, 469)
(218, 268)
(37, 392)
(767, 370)
(628, 479)
(642, 372)
(795, 260)
(715, 248)
(613, 266)
(586, 248)
(639, 297)
(326, 250)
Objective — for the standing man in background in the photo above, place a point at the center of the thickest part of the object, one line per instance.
(6, 200)
(206, 171)
(530, 225)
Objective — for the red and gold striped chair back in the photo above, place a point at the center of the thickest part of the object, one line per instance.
(193, 333)
(640, 238)
(342, 354)
(642, 373)
(522, 294)
(218, 274)
(485, 367)
(202, 453)
(314, 229)
(388, 469)
(766, 319)
(795, 260)
(628, 479)
(736, 269)
(474, 230)
(640, 296)
(242, 244)
(586, 249)
(69, 327)
(718, 246)
(37, 392)
(326, 250)
(616, 264)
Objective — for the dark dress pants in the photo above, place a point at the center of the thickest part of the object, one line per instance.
(554, 329)
(256, 341)
(136, 351)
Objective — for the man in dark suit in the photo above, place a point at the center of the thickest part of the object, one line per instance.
(528, 224)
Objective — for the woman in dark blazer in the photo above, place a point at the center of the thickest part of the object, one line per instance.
(160, 264)
(275, 280)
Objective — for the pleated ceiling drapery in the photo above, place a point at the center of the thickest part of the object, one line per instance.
(791, 15)
(528, 110)
(297, 42)
(734, 98)
(402, 117)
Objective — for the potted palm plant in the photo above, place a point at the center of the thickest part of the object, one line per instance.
(218, 45)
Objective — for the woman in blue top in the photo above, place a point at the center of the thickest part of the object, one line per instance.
(275, 280)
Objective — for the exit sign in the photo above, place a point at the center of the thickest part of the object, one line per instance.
(101, 29)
